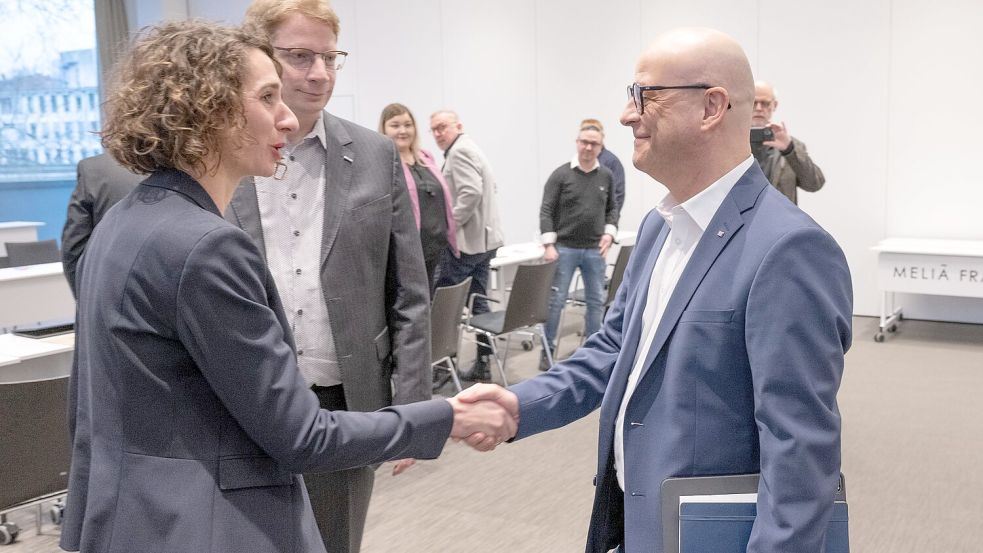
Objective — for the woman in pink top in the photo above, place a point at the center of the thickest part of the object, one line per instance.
(432, 202)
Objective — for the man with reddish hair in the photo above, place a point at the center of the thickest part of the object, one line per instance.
(339, 236)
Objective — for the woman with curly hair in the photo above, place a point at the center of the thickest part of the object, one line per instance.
(189, 419)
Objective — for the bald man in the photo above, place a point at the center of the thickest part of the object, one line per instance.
(784, 159)
(723, 351)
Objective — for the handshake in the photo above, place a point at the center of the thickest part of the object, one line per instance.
(485, 415)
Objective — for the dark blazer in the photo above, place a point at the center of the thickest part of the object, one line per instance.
(189, 418)
(101, 182)
(372, 272)
(741, 377)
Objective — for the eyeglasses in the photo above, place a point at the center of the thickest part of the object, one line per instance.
(763, 104)
(588, 143)
(302, 58)
(635, 91)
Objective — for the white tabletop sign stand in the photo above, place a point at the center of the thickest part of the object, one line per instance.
(925, 266)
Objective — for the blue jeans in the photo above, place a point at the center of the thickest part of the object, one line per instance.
(591, 266)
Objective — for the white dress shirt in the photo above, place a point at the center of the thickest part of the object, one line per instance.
(687, 222)
(292, 215)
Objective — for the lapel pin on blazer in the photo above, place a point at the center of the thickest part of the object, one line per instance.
(720, 233)
(348, 159)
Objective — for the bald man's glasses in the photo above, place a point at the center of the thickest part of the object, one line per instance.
(635, 91)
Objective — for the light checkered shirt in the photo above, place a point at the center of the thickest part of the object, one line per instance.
(292, 214)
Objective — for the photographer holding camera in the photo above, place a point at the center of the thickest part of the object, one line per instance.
(783, 158)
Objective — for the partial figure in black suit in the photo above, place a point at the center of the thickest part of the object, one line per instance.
(101, 182)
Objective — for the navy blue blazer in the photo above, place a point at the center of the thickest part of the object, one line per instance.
(741, 377)
(189, 418)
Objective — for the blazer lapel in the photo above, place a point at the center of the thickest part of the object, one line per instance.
(245, 210)
(724, 225)
(634, 310)
(339, 159)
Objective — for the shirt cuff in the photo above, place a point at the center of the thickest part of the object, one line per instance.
(612, 230)
(548, 238)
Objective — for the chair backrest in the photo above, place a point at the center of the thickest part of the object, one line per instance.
(35, 451)
(618, 275)
(4, 262)
(32, 253)
(529, 301)
(445, 319)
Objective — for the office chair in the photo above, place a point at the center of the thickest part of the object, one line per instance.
(35, 451)
(32, 253)
(527, 308)
(445, 327)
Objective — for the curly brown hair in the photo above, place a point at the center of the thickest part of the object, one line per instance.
(175, 97)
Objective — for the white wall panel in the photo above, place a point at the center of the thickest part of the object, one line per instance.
(398, 48)
(489, 53)
(227, 11)
(582, 71)
(935, 188)
(831, 74)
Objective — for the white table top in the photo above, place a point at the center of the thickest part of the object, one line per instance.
(928, 246)
(22, 348)
(513, 254)
(19, 224)
(31, 271)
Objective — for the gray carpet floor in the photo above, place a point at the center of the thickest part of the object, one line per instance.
(912, 455)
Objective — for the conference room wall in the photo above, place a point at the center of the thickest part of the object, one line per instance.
(873, 88)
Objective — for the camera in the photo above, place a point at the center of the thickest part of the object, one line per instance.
(761, 134)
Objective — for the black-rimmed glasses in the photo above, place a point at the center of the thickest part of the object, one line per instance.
(635, 91)
(302, 58)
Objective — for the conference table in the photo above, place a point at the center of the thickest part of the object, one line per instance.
(511, 256)
(33, 295)
(17, 231)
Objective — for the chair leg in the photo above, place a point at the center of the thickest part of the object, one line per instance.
(546, 348)
(508, 348)
(453, 369)
(559, 332)
(501, 367)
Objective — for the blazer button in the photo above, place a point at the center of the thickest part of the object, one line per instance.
(293, 196)
(595, 480)
(300, 352)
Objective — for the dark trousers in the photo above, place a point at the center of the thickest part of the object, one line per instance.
(340, 499)
(455, 269)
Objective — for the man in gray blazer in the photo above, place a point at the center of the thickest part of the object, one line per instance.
(479, 234)
(100, 184)
(783, 159)
(337, 231)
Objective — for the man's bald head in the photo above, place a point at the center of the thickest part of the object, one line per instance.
(686, 136)
(707, 56)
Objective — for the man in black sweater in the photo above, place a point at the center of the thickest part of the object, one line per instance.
(578, 220)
